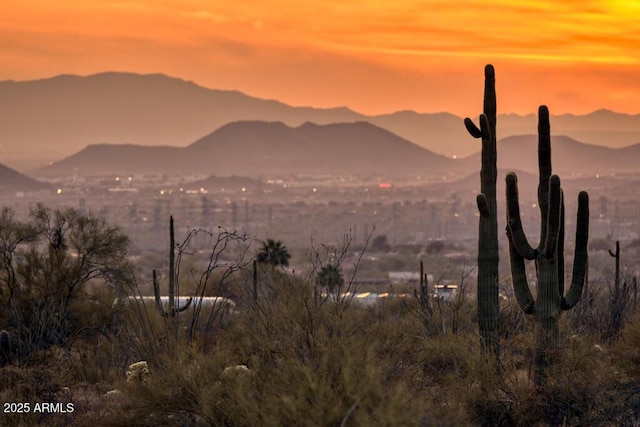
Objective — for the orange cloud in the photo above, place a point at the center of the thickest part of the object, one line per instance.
(374, 56)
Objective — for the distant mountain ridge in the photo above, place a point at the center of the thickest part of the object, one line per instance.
(258, 149)
(12, 181)
(254, 148)
(569, 157)
(52, 118)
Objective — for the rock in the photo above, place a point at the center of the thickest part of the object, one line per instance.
(137, 371)
(112, 394)
(235, 370)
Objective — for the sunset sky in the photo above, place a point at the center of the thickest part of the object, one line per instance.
(372, 56)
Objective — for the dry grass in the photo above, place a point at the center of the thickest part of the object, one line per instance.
(314, 361)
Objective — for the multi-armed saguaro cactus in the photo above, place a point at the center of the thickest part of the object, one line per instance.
(548, 255)
(488, 305)
(172, 280)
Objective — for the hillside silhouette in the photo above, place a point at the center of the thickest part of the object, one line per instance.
(52, 118)
(569, 157)
(12, 181)
(253, 148)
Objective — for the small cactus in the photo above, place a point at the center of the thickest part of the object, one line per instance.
(616, 255)
(423, 294)
(622, 297)
(172, 280)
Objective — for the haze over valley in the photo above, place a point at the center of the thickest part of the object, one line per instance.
(132, 144)
(143, 147)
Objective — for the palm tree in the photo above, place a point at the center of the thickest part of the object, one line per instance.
(330, 277)
(273, 252)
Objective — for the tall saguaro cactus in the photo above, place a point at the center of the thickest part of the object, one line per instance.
(548, 255)
(488, 259)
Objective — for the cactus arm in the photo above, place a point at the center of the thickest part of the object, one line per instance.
(156, 292)
(560, 251)
(184, 307)
(553, 218)
(580, 261)
(483, 205)
(519, 278)
(472, 128)
(617, 252)
(514, 223)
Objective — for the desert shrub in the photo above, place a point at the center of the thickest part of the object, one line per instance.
(312, 361)
(626, 349)
(315, 358)
(46, 263)
(35, 385)
(580, 390)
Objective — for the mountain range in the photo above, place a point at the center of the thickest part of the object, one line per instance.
(267, 149)
(253, 148)
(570, 158)
(47, 120)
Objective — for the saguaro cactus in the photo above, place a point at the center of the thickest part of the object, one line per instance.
(488, 259)
(616, 255)
(548, 255)
(622, 297)
(424, 287)
(617, 301)
(422, 293)
(172, 280)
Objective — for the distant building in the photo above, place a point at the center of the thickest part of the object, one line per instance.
(446, 291)
(404, 277)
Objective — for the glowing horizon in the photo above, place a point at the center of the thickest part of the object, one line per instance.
(371, 56)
